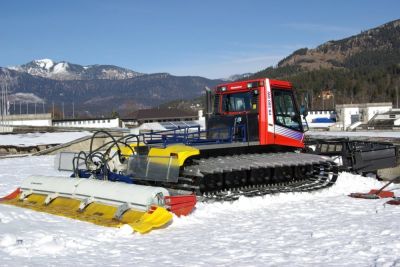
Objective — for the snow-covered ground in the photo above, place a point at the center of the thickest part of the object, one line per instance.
(324, 228)
(32, 139)
(389, 134)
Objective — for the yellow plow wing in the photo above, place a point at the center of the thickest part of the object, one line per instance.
(143, 212)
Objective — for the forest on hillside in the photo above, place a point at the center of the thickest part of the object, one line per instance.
(367, 69)
(357, 85)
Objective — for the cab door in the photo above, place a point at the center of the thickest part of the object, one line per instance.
(287, 127)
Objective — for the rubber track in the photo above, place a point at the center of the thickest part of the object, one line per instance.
(322, 172)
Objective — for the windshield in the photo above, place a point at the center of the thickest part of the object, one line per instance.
(286, 113)
(236, 102)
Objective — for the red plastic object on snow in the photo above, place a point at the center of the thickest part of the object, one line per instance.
(394, 201)
(11, 195)
(181, 205)
(375, 193)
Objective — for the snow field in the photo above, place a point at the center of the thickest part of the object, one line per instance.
(31, 139)
(389, 134)
(324, 228)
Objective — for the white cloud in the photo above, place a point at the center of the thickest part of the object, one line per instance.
(320, 28)
(263, 59)
(227, 66)
(269, 47)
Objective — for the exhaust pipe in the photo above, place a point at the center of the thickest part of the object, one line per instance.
(208, 105)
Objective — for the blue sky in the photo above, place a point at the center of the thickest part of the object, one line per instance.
(208, 38)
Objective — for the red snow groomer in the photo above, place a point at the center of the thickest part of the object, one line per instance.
(253, 145)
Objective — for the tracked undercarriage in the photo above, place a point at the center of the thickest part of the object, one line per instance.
(226, 178)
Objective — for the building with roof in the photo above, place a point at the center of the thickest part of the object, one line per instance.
(320, 119)
(350, 116)
(385, 121)
(89, 123)
(43, 119)
(158, 115)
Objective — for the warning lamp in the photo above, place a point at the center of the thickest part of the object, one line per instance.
(253, 84)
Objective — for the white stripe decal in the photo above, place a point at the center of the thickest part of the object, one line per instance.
(270, 115)
(289, 133)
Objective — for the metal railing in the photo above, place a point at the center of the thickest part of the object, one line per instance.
(194, 135)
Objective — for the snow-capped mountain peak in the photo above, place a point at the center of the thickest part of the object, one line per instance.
(44, 63)
(64, 70)
(61, 67)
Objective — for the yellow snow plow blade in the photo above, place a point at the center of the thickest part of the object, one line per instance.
(155, 218)
(100, 202)
(96, 213)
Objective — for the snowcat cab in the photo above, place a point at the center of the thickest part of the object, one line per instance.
(262, 112)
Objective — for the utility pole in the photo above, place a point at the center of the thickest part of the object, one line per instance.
(334, 104)
(351, 96)
(4, 103)
(73, 110)
(53, 111)
(1, 108)
(63, 110)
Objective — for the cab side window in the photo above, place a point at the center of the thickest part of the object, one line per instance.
(286, 113)
(236, 102)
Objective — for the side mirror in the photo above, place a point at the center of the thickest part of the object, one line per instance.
(304, 111)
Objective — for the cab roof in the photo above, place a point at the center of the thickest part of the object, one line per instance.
(244, 84)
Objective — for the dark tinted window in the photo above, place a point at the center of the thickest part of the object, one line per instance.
(236, 102)
(286, 113)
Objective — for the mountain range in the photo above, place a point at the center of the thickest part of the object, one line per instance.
(361, 68)
(96, 89)
(64, 70)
